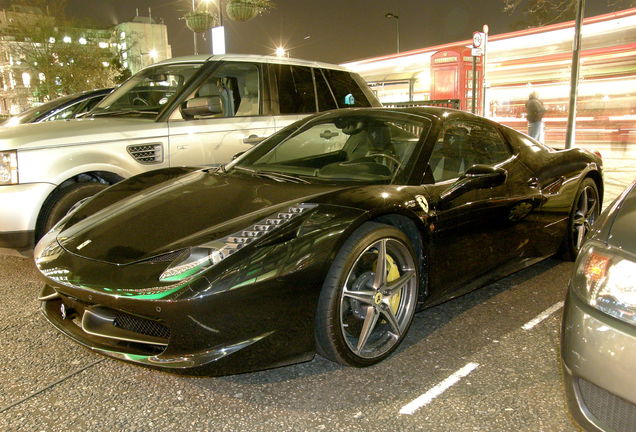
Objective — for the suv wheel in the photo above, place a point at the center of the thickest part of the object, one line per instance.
(59, 204)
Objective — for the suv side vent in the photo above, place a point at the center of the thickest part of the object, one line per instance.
(146, 153)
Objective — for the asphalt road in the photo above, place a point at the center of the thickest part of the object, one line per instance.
(511, 376)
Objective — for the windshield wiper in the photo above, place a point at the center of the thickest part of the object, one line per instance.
(121, 112)
(276, 176)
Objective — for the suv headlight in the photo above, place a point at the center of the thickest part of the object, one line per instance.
(197, 259)
(606, 279)
(8, 167)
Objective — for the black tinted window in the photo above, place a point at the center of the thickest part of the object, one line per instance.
(295, 89)
(325, 98)
(346, 89)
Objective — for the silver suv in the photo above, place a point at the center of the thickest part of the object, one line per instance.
(196, 110)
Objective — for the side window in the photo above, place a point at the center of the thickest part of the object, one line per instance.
(237, 87)
(66, 113)
(346, 89)
(325, 98)
(295, 89)
(318, 141)
(90, 104)
(462, 144)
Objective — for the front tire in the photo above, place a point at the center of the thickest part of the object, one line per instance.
(368, 298)
(585, 211)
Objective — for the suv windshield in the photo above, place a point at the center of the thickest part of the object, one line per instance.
(357, 148)
(148, 91)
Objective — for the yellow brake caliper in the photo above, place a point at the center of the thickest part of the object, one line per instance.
(393, 274)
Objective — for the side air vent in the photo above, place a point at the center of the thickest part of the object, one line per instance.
(146, 153)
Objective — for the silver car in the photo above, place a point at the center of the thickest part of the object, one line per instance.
(197, 110)
(598, 341)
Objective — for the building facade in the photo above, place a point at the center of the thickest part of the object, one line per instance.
(137, 43)
(142, 41)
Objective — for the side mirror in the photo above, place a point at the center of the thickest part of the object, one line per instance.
(201, 106)
(476, 177)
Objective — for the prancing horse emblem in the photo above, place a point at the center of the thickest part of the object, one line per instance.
(422, 202)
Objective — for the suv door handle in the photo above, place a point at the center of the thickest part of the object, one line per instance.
(253, 139)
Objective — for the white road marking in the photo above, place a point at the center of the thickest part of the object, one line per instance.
(440, 388)
(543, 315)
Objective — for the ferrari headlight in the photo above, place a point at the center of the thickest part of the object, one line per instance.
(203, 257)
(607, 281)
(8, 167)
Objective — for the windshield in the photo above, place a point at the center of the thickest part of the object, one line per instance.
(372, 147)
(148, 91)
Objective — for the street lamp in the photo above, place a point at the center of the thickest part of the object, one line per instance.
(397, 27)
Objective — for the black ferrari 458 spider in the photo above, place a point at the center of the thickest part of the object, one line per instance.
(327, 237)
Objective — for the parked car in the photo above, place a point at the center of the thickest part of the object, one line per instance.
(62, 108)
(598, 338)
(326, 237)
(196, 110)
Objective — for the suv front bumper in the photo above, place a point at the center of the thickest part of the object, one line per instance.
(19, 208)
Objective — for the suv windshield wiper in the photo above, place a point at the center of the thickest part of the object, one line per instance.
(121, 112)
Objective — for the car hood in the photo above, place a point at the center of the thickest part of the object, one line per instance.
(190, 210)
(32, 136)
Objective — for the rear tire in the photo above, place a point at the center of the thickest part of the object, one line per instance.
(361, 319)
(59, 204)
(585, 210)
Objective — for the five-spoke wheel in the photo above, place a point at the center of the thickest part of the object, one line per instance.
(584, 212)
(369, 297)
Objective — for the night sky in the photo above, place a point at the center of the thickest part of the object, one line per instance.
(327, 30)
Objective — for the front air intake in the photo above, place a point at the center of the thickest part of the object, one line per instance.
(146, 154)
(613, 412)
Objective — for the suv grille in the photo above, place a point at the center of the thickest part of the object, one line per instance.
(146, 153)
(612, 411)
(141, 325)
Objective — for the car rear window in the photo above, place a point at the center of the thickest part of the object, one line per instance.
(345, 88)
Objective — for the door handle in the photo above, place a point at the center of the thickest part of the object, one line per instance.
(253, 139)
(182, 147)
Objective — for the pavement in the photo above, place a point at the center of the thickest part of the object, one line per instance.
(619, 173)
(49, 383)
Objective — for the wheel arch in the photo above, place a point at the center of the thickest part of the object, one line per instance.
(102, 177)
(595, 175)
(412, 227)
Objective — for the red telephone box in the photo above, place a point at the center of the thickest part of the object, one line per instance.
(452, 76)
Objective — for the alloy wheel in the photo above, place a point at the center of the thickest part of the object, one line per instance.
(585, 214)
(378, 298)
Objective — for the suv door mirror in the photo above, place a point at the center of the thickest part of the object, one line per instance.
(201, 106)
(476, 177)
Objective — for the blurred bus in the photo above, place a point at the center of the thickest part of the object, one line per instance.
(536, 59)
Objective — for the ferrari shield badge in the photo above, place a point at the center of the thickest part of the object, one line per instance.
(422, 202)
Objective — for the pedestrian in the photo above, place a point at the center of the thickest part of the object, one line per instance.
(535, 111)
